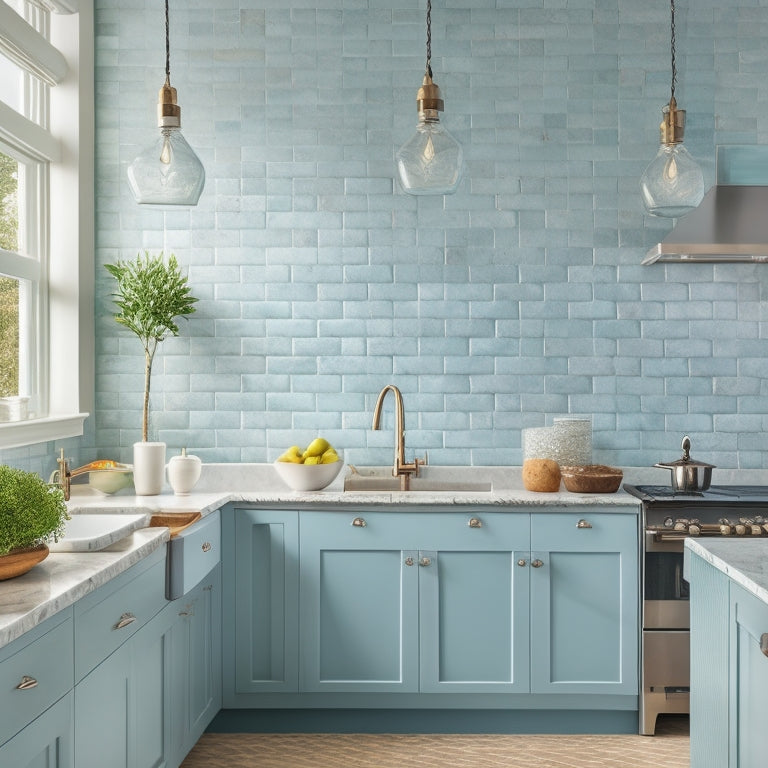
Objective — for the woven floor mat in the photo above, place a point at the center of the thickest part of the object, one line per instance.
(668, 749)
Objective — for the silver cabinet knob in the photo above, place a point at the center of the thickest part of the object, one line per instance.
(424, 562)
(359, 522)
(124, 620)
(26, 683)
(475, 522)
(409, 561)
(522, 563)
(537, 563)
(583, 524)
(206, 547)
(764, 643)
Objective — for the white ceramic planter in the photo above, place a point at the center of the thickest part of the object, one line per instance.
(148, 468)
(183, 472)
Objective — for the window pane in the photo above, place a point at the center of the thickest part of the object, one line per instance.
(11, 82)
(9, 203)
(9, 337)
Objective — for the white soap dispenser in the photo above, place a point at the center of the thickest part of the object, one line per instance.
(183, 473)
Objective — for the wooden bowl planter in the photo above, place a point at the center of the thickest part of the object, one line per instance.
(18, 561)
(31, 513)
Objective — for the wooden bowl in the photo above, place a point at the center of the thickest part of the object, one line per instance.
(592, 478)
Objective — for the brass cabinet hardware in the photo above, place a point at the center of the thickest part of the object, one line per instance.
(764, 643)
(522, 562)
(424, 562)
(475, 522)
(26, 683)
(124, 620)
(537, 563)
(359, 522)
(409, 561)
(206, 546)
(583, 524)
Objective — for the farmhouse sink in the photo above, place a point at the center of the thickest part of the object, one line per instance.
(93, 532)
(434, 480)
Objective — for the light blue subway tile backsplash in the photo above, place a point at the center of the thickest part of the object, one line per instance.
(518, 299)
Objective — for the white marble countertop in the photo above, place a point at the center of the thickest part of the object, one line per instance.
(260, 484)
(744, 560)
(64, 577)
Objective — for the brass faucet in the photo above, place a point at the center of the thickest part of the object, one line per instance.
(400, 467)
(62, 477)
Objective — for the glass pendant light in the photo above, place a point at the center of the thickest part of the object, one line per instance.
(168, 172)
(672, 184)
(429, 163)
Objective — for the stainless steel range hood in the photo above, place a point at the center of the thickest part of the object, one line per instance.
(731, 223)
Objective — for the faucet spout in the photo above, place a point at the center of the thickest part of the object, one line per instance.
(400, 467)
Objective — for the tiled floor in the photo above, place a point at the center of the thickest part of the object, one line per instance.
(668, 749)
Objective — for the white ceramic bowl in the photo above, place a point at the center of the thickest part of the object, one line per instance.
(111, 480)
(307, 477)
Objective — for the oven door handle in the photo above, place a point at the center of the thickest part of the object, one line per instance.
(670, 545)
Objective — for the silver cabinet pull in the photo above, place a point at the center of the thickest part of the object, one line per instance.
(409, 561)
(475, 522)
(26, 683)
(206, 546)
(522, 562)
(537, 563)
(125, 620)
(424, 562)
(583, 524)
(764, 643)
(359, 522)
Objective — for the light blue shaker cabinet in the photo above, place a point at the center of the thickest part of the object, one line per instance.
(748, 672)
(47, 742)
(196, 657)
(413, 602)
(260, 603)
(584, 603)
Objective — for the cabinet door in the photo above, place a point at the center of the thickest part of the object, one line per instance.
(359, 603)
(584, 603)
(262, 601)
(45, 743)
(748, 680)
(122, 708)
(196, 690)
(474, 605)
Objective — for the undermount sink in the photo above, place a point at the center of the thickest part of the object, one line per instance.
(363, 481)
(93, 532)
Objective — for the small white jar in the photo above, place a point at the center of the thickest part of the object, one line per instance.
(183, 473)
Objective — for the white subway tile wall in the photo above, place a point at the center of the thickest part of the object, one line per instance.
(518, 299)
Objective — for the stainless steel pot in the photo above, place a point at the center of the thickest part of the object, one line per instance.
(689, 475)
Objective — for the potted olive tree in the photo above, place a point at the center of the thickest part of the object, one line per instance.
(151, 293)
(31, 513)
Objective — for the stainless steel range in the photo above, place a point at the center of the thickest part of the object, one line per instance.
(668, 517)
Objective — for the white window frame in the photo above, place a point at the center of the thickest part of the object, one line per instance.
(64, 364)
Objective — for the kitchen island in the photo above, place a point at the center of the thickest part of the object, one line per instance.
(729, 645)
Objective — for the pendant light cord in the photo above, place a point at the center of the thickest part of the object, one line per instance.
(167, 46)
(672, 46)
(429, 37)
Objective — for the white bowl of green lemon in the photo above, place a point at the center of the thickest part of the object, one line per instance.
(309, 469)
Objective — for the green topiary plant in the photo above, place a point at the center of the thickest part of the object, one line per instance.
(31, 511)
(150, 294)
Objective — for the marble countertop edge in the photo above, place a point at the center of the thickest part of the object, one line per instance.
(65, 577)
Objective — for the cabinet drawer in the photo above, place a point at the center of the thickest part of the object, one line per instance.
(193, 554)
(111, 615)
(35, 677)
(586, 531)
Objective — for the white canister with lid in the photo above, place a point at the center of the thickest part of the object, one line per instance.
(183, 472)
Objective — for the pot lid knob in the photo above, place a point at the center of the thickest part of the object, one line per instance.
(686, 446)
